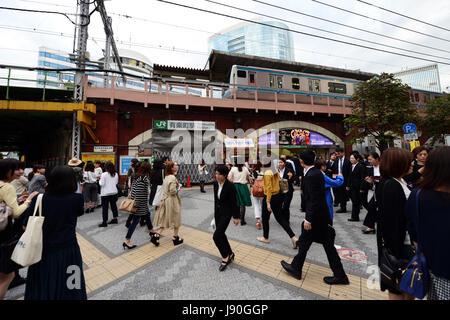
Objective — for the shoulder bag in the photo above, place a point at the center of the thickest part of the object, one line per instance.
(415, 278)
(128, 204)
(28, 249)
(284, 185)
(159, 193)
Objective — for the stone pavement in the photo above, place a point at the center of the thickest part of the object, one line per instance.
(190, 271)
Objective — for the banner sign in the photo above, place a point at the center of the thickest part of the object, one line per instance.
(107, 149)
(239, 143)
(184, 125)
(291, 138)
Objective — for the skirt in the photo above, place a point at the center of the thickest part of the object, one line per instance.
(439, 288)
(58, 276)
(242, 195)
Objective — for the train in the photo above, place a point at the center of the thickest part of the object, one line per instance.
(286, 84)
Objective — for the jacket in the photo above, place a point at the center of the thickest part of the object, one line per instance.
(226, 205)
(355, 178)
(317, 212)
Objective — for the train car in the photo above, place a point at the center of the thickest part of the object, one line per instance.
(286, 84)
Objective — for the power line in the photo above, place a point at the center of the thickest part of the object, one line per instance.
(47, 3)
(348, 26)
(323, 30)
(40, 11)
(67, 35)
(385, 22)
(299, 32)
(249, 40)
(402, 15)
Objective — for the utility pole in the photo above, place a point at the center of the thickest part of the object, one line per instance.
(107, 23)
(80, 55)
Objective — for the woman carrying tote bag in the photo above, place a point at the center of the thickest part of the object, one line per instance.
(59, 274)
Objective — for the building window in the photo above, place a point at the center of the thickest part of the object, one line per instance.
(426, 98)
(314, 85)
(271, 81)
(416, 97)
(296, 83)
(280, 82)
(334, 87)
(242, 74)
(252, 78)
(411, 97)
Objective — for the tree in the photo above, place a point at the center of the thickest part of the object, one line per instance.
(437, 118)
(380, 107)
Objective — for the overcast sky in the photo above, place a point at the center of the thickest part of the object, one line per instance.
(20, 48)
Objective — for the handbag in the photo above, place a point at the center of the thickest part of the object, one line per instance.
(158, 196)
(284, 185)
(28, 250)
(390, 269)
(258, 188)
(128, 205)
(415, 278)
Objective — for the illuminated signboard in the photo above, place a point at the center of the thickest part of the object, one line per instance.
(295, 137)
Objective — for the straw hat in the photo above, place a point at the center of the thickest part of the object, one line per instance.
(74, 162)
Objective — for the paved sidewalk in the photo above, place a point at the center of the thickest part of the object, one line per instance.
(190, 271)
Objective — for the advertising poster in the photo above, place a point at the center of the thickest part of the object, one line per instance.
(103, 157)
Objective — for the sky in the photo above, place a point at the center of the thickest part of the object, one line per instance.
(171, 35)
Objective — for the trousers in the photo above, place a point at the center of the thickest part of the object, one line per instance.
(112, 200)
(276, 204)
(325, 236)
(219, 237)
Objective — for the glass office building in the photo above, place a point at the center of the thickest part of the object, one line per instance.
(255, 39)
(423, 78)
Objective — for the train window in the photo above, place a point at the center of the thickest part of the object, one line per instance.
(416, 97)
(296, 83)
(280, 82)
(314, 85)
(334, 87)
(271, 81)
(252, 78)
(242, 74)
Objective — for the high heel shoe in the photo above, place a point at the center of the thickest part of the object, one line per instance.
(155, 239)
(125, 246)
(176, 240)
(230, 258)
(223, 265)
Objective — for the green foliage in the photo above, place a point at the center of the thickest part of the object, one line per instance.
(387, 108)
(437, 118)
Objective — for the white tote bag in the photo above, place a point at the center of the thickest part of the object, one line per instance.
(28, 250)
(158, 196)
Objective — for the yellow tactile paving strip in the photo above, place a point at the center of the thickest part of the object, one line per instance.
(268, 263)
(103, 270)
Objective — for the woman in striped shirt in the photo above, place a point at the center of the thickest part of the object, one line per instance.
(139, 192)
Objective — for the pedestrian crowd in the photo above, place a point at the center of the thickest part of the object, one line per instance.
(408, 211)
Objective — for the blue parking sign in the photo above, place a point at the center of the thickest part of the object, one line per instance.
(409, 128)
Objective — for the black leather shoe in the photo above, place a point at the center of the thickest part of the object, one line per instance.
(335, 280)
(113, 221)
(336, 205)
(286, 266)
(353, 220)
(223, 265)
(341, 211)
(373, 231)
(103, 224)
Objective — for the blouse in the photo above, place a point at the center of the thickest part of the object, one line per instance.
(9, 196)
(271, 184)
(239, 176)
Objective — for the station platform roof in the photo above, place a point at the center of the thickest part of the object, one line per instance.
(220, 63)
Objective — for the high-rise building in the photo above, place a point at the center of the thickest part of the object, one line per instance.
(423, 78)
(255, 39)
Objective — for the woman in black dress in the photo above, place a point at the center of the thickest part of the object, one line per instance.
(420, 157)
(59, 274)
(392, 193)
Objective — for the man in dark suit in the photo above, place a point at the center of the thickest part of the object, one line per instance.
(330, 162)
(298, 167)
(225, 207)
(342, 166)
(316, 226)
(288, 174)
(355, 184)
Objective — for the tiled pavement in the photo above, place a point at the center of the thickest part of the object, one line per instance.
(190, 271)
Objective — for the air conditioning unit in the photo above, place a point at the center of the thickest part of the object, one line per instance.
(370, 141)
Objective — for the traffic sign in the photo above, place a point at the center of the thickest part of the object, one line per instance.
(409, 128)
(411, 136)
